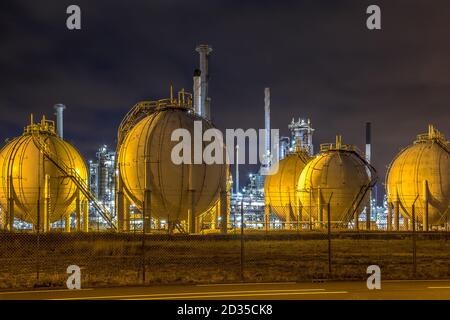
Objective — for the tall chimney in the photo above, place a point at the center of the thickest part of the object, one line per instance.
(204, 51)
(267, 122)
(237, 170)
(368, 158)
(368, 141)
(197, 92)
(60, 119)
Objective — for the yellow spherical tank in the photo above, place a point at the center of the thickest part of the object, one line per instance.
(420, 174)
(37, 187)
(280, 189)
(145, 163)
(338, 179)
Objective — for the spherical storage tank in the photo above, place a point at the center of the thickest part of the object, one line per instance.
(145, 163)
(280, 188)
(339, 175)
(24, 168)
(422, 172)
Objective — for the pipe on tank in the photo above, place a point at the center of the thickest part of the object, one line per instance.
(60, 119)
(197, 92)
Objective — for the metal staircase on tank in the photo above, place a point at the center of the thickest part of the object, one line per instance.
(364, 189)
(358, 199)
(76, 178)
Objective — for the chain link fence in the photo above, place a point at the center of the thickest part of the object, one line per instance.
(253, 250)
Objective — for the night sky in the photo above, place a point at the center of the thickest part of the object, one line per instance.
(318, 58)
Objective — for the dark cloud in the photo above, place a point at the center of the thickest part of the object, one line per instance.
(317, 56)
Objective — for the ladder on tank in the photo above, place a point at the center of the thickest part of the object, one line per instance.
(76, 178)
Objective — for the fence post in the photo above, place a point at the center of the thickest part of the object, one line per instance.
(329, 240)
(413, 216)
(329, 235)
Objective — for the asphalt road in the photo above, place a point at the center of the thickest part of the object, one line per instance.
(250, 291)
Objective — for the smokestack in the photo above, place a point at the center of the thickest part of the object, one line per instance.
(237, 170)
(368, 141)
(267, 120)
(204, 51)
(60, 119)
(197, 92)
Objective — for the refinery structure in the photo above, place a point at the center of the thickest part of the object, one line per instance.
(47, 185)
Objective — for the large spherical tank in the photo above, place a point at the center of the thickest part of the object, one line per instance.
(280, 188)
(22, 160)
(339, 174)
(428, 159)
(149, 142)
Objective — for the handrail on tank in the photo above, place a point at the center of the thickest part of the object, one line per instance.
(324, 147)
(45, 126)
(433, 135)
(143, 108)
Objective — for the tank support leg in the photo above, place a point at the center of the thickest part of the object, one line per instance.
(120, 211)
(397, 215)
(10, 222)
(126, 218)
(158, 224)
(85, 215)
(299, 218)
(356, 221)
(389, 217)
(67, 224)
(3, 217)
(146, 212)
(267, 217)
(10, 209)
(223, 212)
(406, 223)
(319, 208)
(46, 218)
(191, 213)
(288, 218)
(78, 212)
(215, 221)
(368, 212)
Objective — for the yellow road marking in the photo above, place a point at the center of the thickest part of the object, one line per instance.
(187, 294)
(244, 284)
(438, 287)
